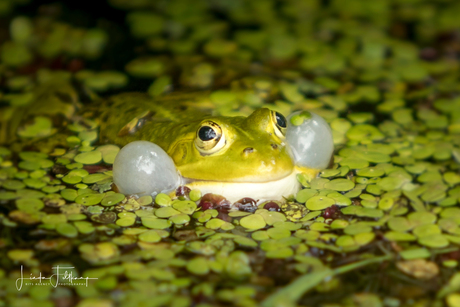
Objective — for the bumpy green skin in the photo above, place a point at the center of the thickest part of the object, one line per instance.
(172, 123)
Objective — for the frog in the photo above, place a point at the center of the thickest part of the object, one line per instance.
(233, 156)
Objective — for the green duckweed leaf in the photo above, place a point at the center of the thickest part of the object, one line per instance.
(260, 235)
(29, 204)
(198, 266)
(340, 185)
(150, 236)
(67, 230)
(271, 217)
(180, 219)
(112, 199)
(166, 212)
(91, 157)
(319, 202)
(185, 206)
(278, 233)
(126, 221)
(246, 242)
(253, 222)
(156, 223)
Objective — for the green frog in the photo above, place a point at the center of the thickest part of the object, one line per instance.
(231, 156)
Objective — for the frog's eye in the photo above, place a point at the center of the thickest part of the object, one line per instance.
(280, 124)
(209, 138)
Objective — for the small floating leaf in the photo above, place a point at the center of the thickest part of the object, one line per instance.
(91, 157)
(253, 222)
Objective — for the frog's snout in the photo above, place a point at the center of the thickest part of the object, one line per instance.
(249, 150)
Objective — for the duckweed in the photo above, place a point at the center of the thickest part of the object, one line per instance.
(319, 202)
(195, 195)
(186, 207)
(253, 222)
(162, 200)
(91, 157)
(180, 219)
(112, 199)
(387, 86)
(156, 223)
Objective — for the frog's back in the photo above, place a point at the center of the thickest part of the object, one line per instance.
(136, 116)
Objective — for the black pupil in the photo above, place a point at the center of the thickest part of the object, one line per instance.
(280, 120)
(207, 133)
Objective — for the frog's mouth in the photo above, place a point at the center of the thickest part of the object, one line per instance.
(234, 191)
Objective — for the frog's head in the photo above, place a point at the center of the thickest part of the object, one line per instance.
(234, 149)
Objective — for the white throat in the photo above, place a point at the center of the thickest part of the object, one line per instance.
(234, 191)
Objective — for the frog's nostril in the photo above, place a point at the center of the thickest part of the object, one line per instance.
(248, 150)
(274, 146)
